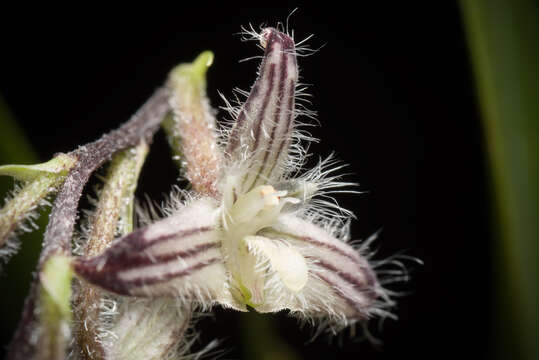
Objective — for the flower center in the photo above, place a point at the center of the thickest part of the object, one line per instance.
(250, 213)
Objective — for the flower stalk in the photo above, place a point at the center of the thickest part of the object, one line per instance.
(113, 215)
(57, 239)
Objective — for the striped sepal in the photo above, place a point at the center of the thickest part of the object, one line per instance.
(341, 282)
(263, 130)
(177, 256)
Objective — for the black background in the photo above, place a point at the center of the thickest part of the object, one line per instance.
(395, 98)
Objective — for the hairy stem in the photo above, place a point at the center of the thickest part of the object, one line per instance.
(90, 157)
(114, 214)
(59, 231)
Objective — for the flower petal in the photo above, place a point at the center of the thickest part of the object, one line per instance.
(285, 260)
(263, 130)
(341, 282)
(177, 256)
(147, 329)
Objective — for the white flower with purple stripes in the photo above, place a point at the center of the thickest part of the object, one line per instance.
(252, 235)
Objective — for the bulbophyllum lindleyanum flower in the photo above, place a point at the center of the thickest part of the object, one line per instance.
(249, 234)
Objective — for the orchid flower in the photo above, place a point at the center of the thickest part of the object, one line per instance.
(250, 233)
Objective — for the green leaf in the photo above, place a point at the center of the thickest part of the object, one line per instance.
(503, 38)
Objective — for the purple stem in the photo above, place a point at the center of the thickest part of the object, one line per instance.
(62, 219)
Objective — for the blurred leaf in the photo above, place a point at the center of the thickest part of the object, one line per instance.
(504, 46)
(262, 340)
(14, 147)
(16, 275)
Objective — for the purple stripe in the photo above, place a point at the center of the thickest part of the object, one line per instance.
(283, 73)
(280, 96)
(260, 118)
(285, 144)
(240, 129)
(137, 240)
(354, 258)
(234, 135)
(242, 117)
(146, 259)
(126, 260)
(358, 284)
(180, 235)
(168, 276)
(355, 305)
(111, 282)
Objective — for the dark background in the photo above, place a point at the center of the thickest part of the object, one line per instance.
(395, 99)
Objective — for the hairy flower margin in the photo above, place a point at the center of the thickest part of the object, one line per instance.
(256, 238)
(250, 234)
